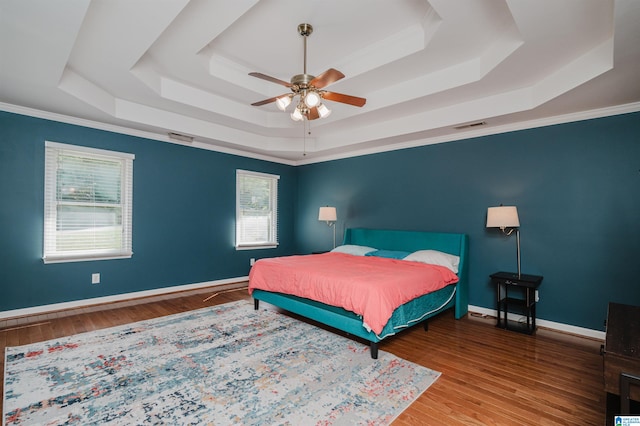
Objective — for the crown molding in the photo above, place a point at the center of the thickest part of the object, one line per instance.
(477, 132)
(32, 112)
(485, 131)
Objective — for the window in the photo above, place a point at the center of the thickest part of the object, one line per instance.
(87, 205)
(256, 210)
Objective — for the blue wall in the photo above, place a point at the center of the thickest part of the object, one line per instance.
(576, 186)
(183, 216)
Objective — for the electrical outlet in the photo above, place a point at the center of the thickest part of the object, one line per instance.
(537, 296)
(95, 278)
(252, 261)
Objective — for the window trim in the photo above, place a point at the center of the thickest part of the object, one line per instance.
(274, 199)
(50, 211)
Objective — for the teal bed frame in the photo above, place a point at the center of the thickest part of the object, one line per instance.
(349, 322)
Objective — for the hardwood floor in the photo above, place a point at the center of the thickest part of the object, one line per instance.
(489, 376)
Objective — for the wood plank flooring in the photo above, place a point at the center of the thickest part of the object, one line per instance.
(489, 376)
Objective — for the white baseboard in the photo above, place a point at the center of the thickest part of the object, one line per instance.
(232, 283)
(219, 284)
(565, 328)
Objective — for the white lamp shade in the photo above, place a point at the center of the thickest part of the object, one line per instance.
(323, 111)
(296, 115)
(327, 214)
(312, 99)
(283, 102)
(502, 217)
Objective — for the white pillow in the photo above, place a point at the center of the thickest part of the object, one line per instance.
(353, 249)
(434, 257)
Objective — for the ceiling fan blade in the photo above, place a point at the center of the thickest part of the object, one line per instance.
(269, 78)
(267, 101)
(326, 78)
(345, 99)
(313, 114)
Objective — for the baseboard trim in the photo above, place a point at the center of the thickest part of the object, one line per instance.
(225, 284)
(231, 283)
(551, 325)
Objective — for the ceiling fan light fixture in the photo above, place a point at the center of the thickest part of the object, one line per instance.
(323, 111)
(312, 99)
(296, 115)
(283, 102)
(308, 90)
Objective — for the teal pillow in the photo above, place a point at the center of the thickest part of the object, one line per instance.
(391, 254)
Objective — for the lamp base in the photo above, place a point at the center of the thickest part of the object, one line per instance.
(518, 250)
(333, 225)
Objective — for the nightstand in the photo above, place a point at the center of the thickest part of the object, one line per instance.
(519, 292)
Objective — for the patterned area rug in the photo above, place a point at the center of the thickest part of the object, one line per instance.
(227, 364)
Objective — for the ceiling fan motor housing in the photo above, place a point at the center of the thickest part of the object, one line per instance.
(302, 80)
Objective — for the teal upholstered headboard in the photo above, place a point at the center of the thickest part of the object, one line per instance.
(385, 239)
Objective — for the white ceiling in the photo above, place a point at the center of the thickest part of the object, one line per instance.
(425, 67)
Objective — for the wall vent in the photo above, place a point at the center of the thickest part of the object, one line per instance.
(180, 137)
(466, 126)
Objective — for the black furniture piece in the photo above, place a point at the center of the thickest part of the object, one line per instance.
(622, 357)
(628, 382)
(518, 292)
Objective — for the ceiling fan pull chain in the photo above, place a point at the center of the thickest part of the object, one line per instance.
(304, 138)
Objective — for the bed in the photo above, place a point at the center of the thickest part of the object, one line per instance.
(388, 250)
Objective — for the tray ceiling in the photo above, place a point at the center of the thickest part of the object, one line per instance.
(427, 68)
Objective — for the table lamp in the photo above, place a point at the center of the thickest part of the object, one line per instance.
(506, 217)
(329, 215)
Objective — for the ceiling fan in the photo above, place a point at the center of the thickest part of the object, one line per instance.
(309, 89)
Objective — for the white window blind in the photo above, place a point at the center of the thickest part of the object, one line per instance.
(256, 210)
(88, 203)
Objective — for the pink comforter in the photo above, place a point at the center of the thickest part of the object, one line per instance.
(369, 286)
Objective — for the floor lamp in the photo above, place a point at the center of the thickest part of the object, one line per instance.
(504, 217)
(329, 215)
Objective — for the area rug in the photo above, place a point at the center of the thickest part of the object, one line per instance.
(227, 364)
